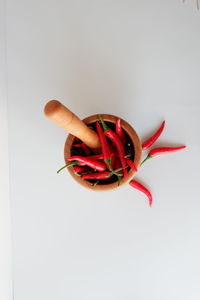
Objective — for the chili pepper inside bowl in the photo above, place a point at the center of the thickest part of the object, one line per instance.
(85, 130)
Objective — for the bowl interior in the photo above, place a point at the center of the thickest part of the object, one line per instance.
(135, 142)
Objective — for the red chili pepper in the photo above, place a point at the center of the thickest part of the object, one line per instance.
(119, 130)
(117, 163)
(92, 163)
(135, 184)
(84, 147)
(131, 164)
(115, 139)
(100, 157)
(117, 142)
(113, 158)
(154, 137)
(117, 166)
(161, 150)
(76, 163)
(104, 145)
(96, 156)
(98, 175)
(79, 145)
(79, 169)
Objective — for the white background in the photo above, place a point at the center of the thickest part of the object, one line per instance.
(136, 59)
(5, 220)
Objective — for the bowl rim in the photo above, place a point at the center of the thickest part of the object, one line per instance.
(137, 158)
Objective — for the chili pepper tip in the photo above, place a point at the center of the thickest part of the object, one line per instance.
(154, 137)
(135, 184)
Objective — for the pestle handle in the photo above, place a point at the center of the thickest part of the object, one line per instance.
(63, 117)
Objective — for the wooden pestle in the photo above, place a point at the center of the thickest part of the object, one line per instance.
(63, 117)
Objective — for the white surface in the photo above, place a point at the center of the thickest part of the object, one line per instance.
(5, 222)
(137, 59)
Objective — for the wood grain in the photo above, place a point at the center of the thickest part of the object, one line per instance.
(63, 117)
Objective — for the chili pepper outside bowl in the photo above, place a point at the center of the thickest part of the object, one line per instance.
(137, 150)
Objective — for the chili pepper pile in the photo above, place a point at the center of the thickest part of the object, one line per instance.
(114, 161)
(116, 158)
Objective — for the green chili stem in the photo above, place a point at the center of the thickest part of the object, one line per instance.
(105, 127)
(77, 174)
(95, 183)
(120, 169)
(128, 155)
(66, 166)
(108, 161)
(117, 174)
(61, 169)
(119, 180)
(148, 157)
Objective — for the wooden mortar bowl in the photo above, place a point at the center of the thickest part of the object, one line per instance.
(137, 158)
